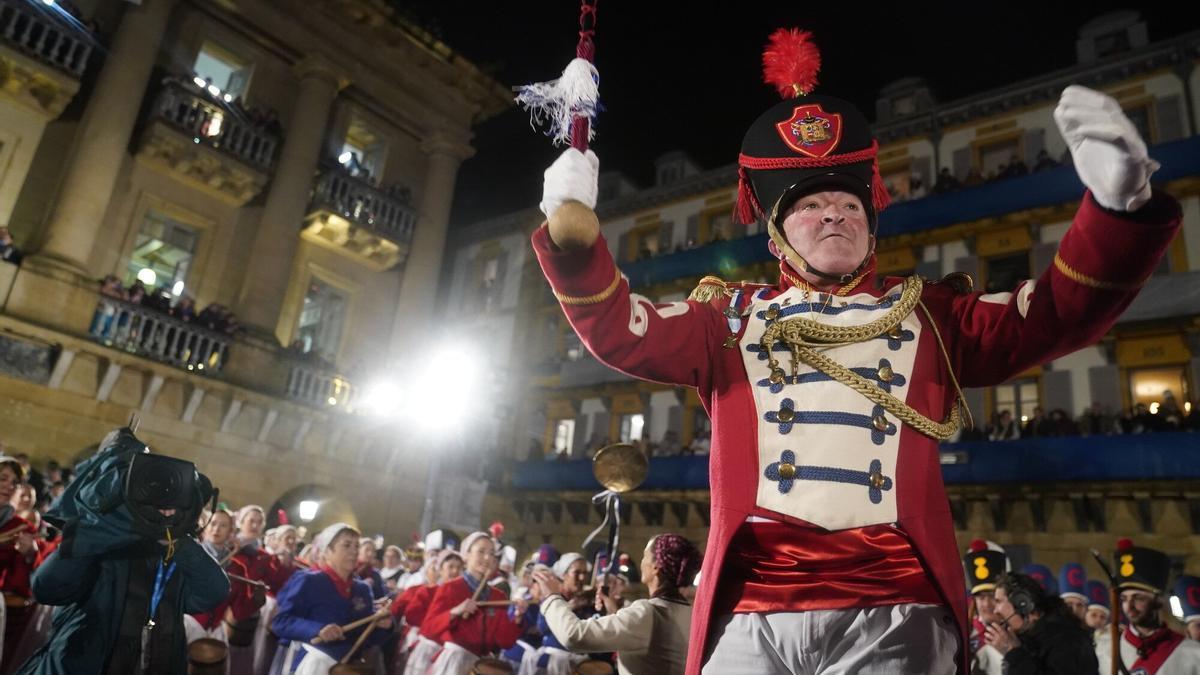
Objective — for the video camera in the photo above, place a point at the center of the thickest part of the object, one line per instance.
(164, 492)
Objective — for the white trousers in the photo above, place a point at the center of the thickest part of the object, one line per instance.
(194, 631)
(453, 660)
(421, 656)
(892, 640)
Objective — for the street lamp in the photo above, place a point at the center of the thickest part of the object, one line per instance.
(308, 510)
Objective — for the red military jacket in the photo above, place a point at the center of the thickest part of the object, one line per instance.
(243, 601)
(15, 569)
(487, 630)
(1102, 261)
(412, 604)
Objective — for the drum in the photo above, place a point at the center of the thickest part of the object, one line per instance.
(206, 656)
(489, 666)
(594, 667)
(241, 633)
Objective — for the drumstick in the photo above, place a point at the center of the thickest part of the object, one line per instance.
(494, 603)
(355, 624)
(358, 643)
(244, 580)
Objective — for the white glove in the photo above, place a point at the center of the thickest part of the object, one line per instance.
(1110, 157)
(574, 175)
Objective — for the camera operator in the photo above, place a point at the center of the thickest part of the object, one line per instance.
(128, 567)
(1037, 632)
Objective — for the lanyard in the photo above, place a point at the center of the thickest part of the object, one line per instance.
(161, 577)
(160, 587)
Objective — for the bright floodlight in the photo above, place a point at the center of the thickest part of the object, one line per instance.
(439, 383)
(147, 276)
(308, 510)
(1176, 607)
(345, 158)
(200, 82)
(177, 289)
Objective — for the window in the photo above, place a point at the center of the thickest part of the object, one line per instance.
(1005, 272)
(904, 105)
(487, 293)
(362, 151)
(1112, 43)
(722, 228)
(993, 158)
(564, 437)
(320, 328)
(1154, 387)
(1019, 397)
(572, 345)
(219, 68)
(162, 254)
(631, 427)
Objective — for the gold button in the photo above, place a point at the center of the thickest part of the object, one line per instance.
(730, 342)
(845, 304)
(885, 374)
(772, 314)
(787, 471)
(880, 422)
(896, 332)
(776, 376)
(876, 480)
(786, 415)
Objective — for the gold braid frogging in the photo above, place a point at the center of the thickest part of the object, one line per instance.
(806, 337)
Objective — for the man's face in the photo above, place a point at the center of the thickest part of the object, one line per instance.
(1079, 607)
(288, 540)
(985, 606)
(829, 230)
(1006, 612)
(1141, 608)
(1096, 618)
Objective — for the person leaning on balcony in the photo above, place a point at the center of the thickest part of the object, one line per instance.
(830, 540)
(8, 250)
(649, 635)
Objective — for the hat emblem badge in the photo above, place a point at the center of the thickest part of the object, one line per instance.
(811, 131)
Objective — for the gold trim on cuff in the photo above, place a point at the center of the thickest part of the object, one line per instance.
(1084, 280)
(591, 299)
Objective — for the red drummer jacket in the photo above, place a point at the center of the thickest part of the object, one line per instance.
(852, 464)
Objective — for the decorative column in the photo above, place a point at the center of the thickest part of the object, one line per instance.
(422, 270)
(278, 234)
(103, 139)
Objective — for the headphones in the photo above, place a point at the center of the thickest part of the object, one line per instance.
(1021, 592)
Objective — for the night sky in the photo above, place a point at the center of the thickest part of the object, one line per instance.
(676, 76)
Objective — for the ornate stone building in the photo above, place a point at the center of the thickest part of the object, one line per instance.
(292, 161)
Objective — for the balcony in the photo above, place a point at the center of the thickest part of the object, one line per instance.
(212, 146)
(351, 216)
(317, 386)
(42, 56)
(160, 337)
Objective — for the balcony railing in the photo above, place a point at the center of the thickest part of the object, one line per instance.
(387, 214)
(214, 125)
(154, 335)
(29, 28)
(316, 386)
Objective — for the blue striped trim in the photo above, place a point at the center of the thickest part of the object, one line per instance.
(830, 417)
(817, 376)
(831, 308)
(829, 474)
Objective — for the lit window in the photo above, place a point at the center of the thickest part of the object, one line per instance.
(162, 253)
(320, 328)
(631, 427)
(1019, 397)
(221, 72)
(564, 436)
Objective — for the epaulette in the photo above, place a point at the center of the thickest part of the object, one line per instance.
(710, 288)
(959, 282)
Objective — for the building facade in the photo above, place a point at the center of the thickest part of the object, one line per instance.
(981, 185)
(275, 179)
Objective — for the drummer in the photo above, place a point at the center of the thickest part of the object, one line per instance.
(650, 635)
(280, 545)
(317, 603)
(466, 630)
(242, 601)
(18, 557)
(571, 571)
(366, 568)
(414, 603)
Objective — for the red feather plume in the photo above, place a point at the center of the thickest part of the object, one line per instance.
(791, 62)
(1124, 544)
(978, 545)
